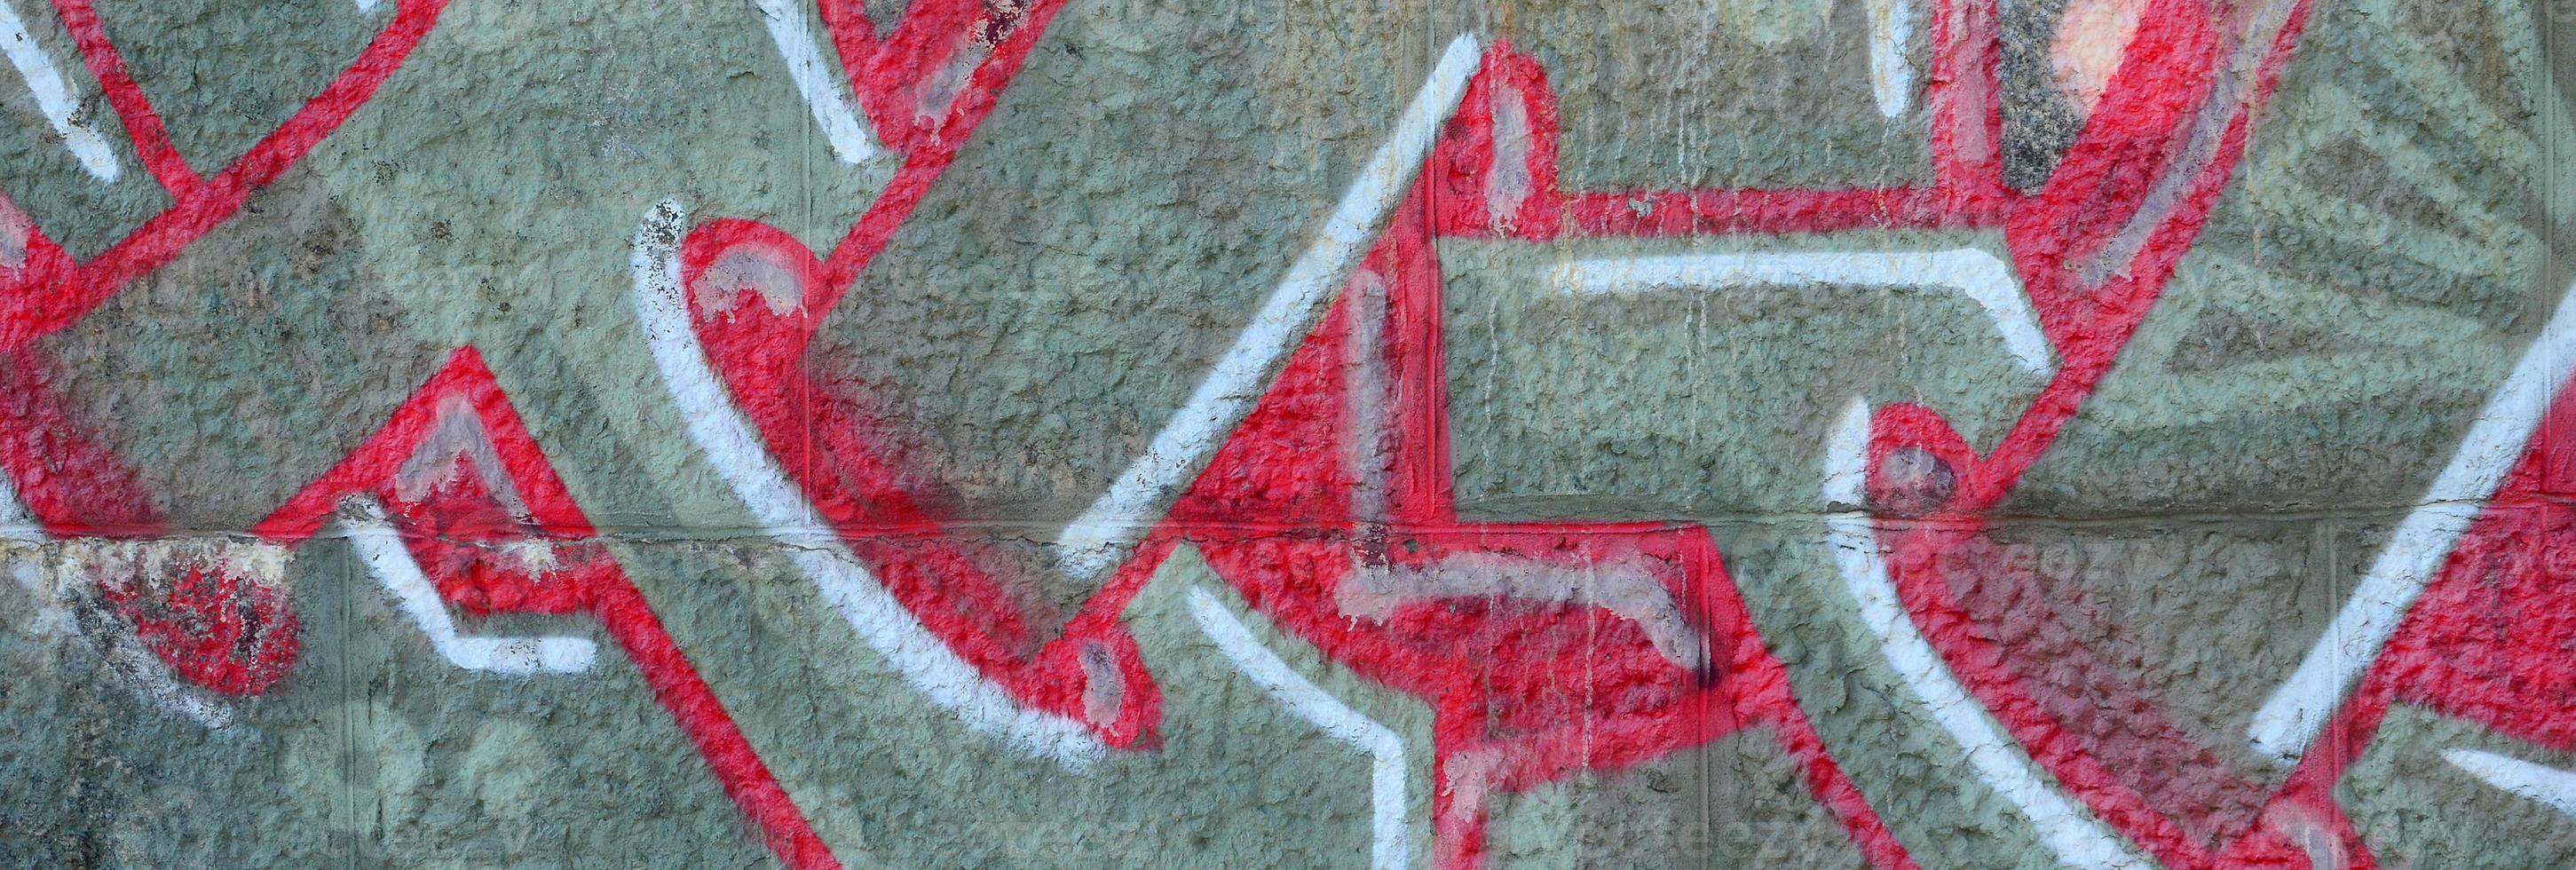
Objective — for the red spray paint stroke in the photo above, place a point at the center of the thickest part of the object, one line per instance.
(995, 37)
(2137, 134)
(913, 82)
(1966, 129)
(1291, 556)
(1272, 515)
(75, 487)
(232, 634)
(225, 633)
(40, 304)
(239, 636)
(2487, 641)
(2483, 643)
(928, 146)
(142, 124)
(1525, 692)
(458, 530)
(2119, 154)
(38, 259)
(2142, 130)
(956, 586)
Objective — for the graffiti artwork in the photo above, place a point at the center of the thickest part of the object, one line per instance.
(1890, 433)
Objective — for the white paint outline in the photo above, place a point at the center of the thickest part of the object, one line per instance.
(55, 97)
(843, 121)
(380, 546)
(1981, 276)
(2065, 827)
(2547, 786)
(2290, 720)
(719, 429)
(1891, 73)
(1391, 840)
(17, 523)
(148, 675)
(1101, 535)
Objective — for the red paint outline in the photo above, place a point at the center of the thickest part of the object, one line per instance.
(590, 581)
(2137, 136)
(77, 487)
(2140, 132)
(42, 303)
(143, 124)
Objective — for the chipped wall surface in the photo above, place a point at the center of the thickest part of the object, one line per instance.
(1134, 433)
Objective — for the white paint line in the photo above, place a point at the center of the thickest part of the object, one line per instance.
(755, 477)
(1627, 587)
(381, 548)
(54, 97)
(1847, 460)
(1391, 841)
(1983, 278)
(2064, 827)
(458, 433)
(143, 672)
(2290, 720)
(1100, 537)
(151, 677)
(2233, 90)
(1891, 72)
(841, 119)
(16, 522)
(2549, 786)
(367, 5)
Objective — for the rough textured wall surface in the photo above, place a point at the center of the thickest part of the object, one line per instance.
(1136, 433)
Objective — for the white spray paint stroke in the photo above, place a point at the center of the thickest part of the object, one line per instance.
(380, 546)
(2065, 828)
(16, 522)
(152, 678)
(1627, 587)
(1891, 73)
(145, 673)
(2291, 719)
(367, 5)
(2551, 787)
(852, 139)
(458, 433)
(1391, 841)
(1982, 277)
(755, 477)
(1101, 535)
(55, 98)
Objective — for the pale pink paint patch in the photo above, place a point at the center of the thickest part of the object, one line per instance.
(756, 268)
(15, 229)
(1104, 690)
(1510, 182)
(2091, 36)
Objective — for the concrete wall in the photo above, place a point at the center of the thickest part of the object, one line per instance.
(1135, 433)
